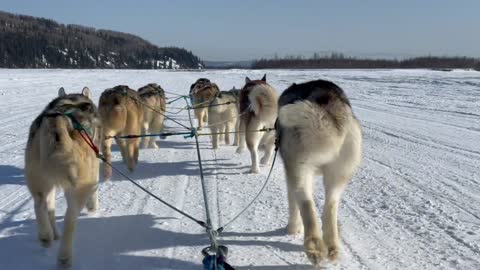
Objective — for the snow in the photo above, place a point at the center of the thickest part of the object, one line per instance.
(414, 204)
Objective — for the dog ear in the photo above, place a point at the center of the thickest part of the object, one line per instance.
(264, 78)
(247, 80)
(86, 92)
(61, 92)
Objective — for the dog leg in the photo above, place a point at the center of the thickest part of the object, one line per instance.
(199, 117)
(136, 150)
(214, 137)
(253, 140)
(301, 180)
(132, 153)
(205, 115)
(129, 158)
(269, 149)
(334, 187)
(45, 230)
(51, 213)
(155, 128)
(122, 144)
(227, 133)
(221, 130)
(106, 151)
(92, 203)
(295, 225)
(145, 131)
(236, 135)
(242, 134)
(76, 201)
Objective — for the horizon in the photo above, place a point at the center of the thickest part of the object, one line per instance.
(366, 30)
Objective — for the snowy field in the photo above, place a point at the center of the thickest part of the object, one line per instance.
(414, 204)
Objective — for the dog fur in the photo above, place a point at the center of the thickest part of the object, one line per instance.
(202, 92)
(223, 118)
(258, 109)
(56, 156)
(236, 93)
(122, 114)
(318, 135)
(154, 97)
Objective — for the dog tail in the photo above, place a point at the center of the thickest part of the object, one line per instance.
(299, 114)
(259, 97)
(55, 140)
(320, 111)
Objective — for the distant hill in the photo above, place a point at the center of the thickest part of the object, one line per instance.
(30, 42)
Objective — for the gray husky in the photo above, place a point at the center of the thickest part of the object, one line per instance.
(58, 156)
(317, 135)
(153, 97)
(122, 114)
(223, 117)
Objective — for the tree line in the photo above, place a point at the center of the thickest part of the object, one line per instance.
(339, 61)
(30, 42)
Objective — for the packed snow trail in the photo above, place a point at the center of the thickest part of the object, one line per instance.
(414, 204)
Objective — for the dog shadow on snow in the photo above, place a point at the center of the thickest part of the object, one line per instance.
(148, 170)
(11, 175)
(111, 243)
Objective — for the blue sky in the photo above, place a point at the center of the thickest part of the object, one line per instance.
(247, 29)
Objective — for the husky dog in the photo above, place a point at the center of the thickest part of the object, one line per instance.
(317, 134)
(154, 97)
(121, 114)
(202, 92)
(258, 109)
(57, 156)
(236, 93)
(222, 116)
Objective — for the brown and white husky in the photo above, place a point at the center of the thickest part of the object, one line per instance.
(202, 92)
(153, 96)
(258, 109)
(318, 135)
(122, 114)
(57, 156)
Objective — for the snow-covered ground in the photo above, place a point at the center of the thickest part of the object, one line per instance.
(414, 204)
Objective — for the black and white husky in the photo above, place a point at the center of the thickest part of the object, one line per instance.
(318, 135)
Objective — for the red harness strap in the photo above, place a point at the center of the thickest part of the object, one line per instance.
(86, 137)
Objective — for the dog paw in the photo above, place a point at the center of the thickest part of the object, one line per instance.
(240, 150)
(91, 209)
(264, 161)
(65, 262)
(131, 166)
(294, 229)
(333, 253)
(315, 249)
(153, 146)
(254, 170)
(46, 241)
(107, 173)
